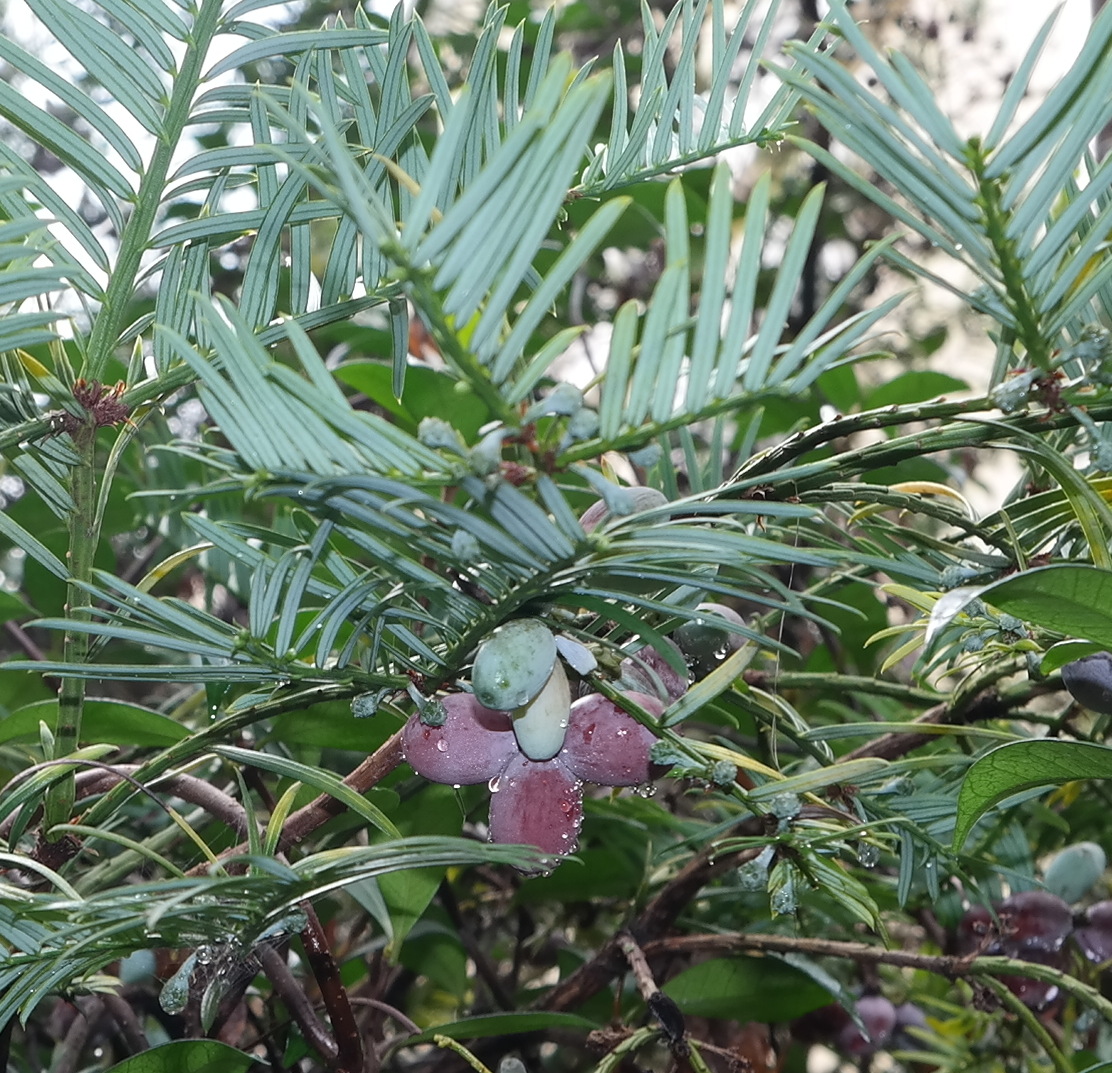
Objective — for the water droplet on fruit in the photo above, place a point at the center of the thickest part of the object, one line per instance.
(441, 746)
(495, 784)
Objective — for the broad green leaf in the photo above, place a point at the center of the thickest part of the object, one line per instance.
(187, 1056)
(1070, 598)
(112, 721)
(407, 892)
(1024, 765)
(428, 393)
(1057, 656)
(746, 989)
(915, 386)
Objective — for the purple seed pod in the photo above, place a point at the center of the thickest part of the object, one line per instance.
(635, 500)
(1094, 939)
(1033, 920)
(606, 745)
(1037, 994)
(878, 1015)
(472, 745)
(649, 672)
(977, 932)
(536, 803)
(1089, 681)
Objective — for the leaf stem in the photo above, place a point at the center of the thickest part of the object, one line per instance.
(1030, 1022)
(81, 523)
(135, 239)
(994, 217)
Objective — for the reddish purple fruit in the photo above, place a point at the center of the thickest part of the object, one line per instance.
(878, 1015)
(1033, 920)
(606, 745)
(977, 932)
(649, 672)
(908, 1016)
(1037, 994)
(1094, 940)
(536, 803)
(1089, 681)
(473, 745)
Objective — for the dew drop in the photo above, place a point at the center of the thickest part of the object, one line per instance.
(868, 855)
(442, 746)
(646, 790)
(495, 784)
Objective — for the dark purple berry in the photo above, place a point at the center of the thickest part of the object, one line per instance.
(606, 745)
(1095, 939)
(536, 803)
(472, 745)
(1033, 920)
(977, 932)
(649, 672)
(1089, 681)
(1036, 994)
(878, 1015)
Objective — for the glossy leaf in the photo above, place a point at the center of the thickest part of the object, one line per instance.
(749, 988)
(1024, 765)
(113, 721)
(1068, 598)
(186, 1056)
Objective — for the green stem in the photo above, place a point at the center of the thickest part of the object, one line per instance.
(83, 523)
(449, 1044)
(995, 219)
(1031, 1022)
(82, 526)
(456, 354)
(135, 239)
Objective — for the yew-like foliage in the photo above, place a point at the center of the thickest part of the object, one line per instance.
(365, 349)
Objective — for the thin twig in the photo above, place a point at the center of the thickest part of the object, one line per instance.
(130, 1028)
(391, 1011)
(68, 1052)
(656, 918)
(293, 995)
(865, 953)
(349, 1043)
(323, 808)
